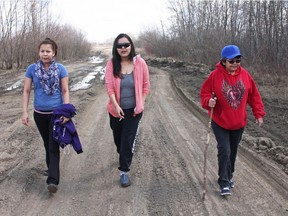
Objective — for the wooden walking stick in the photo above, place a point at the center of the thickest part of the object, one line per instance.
(206, 149)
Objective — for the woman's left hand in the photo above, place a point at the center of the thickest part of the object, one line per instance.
(259, 121)
(64, 119)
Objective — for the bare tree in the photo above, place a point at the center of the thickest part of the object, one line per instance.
(24, 23)
(201, 28)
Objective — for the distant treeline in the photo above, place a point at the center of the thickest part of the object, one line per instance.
(199, 29)
(24, 24)
(196, 32)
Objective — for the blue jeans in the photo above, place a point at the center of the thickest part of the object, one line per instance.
(227, 145)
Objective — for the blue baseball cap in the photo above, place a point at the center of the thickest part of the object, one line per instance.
(230, 52)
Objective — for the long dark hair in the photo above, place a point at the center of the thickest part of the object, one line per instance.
(116, 59)
(51, 42)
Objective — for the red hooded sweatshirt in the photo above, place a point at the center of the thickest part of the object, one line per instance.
(233, 92)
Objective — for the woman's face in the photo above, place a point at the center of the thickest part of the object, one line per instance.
(232, 65)
(123, 47)
(46, 53)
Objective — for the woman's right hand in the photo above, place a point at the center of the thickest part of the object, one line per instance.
(25, 118)
(212, 102)
(119, 111)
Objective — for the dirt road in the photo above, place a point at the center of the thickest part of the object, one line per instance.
(166, 170)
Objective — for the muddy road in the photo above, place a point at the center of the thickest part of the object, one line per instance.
(166, 171)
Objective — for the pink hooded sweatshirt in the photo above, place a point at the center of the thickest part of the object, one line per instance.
(141, 82)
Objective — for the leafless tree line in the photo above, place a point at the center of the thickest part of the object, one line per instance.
(199, 30)
(24, 23)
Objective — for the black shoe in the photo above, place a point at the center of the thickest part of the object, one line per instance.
(225, 191)
(124, 180)
(52, 188)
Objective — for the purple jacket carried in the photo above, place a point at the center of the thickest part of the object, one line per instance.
(65, 134)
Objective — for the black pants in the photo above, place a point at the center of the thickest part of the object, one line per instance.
(45, 127)
(124, 134)
(227, 145)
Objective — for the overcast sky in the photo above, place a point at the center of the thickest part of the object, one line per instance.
(105, 19)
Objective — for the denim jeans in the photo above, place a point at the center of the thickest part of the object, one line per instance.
(227, 145)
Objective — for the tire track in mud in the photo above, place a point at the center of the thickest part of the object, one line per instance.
(178, 145)
(172, 184)
(267, 170)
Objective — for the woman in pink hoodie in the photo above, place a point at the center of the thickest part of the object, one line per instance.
(127, 85)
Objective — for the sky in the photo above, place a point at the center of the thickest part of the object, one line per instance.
(102, 20)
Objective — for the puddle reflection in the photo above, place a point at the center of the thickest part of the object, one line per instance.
(85, 82)
(96, 60)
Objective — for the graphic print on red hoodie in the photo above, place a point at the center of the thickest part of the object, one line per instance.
(234, 94)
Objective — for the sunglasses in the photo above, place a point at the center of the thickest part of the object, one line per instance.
(121, 45)
(233, 61)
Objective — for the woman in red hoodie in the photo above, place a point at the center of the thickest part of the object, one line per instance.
(232, 88)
